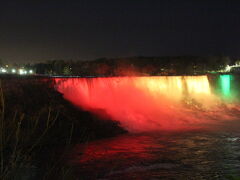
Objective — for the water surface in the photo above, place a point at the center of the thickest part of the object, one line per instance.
(168, 155)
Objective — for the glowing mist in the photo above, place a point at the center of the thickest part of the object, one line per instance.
(144, 103)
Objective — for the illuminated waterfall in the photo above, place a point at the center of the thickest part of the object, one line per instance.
(225, 83)
(143, 103)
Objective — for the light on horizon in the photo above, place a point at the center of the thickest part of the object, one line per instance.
(228, 68)
(3, 70)
(21, 71)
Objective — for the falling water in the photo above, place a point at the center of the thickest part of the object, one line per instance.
(151, 103)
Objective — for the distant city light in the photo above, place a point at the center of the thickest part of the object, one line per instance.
(3, 70)
(228, 68)
(21, 71)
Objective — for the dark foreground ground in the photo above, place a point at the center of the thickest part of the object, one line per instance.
(38, 126)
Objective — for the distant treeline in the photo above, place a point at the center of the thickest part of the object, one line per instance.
(178, 65)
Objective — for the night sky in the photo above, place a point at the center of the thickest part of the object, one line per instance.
(85, 30)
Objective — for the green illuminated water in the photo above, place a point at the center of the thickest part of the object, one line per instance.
(225, 85)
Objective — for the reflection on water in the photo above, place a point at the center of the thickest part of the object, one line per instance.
(175, 155)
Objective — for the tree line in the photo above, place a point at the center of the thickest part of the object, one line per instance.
(177, 65)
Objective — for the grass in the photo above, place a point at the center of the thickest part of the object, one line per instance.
(37, 128)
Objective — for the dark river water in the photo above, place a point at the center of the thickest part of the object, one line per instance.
(169, 155)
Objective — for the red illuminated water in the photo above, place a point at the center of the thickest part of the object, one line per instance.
(184, 155)
(188, 105)
(147, 103)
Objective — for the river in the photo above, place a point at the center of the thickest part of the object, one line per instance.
(168, 155)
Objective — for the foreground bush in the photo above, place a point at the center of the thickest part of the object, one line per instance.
(37, 126)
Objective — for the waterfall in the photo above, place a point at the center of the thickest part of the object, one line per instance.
(146, 103)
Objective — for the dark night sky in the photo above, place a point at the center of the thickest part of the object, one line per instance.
(39, 31)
